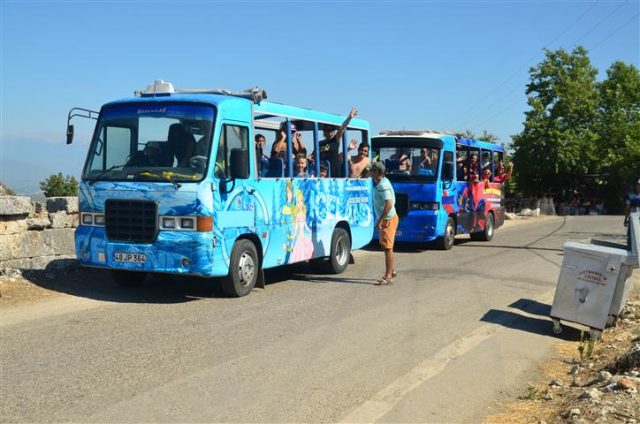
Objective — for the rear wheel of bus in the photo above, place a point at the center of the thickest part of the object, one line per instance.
(243, 269)
(340, 251)
(445, 242)
(487, 233)
(128, 278)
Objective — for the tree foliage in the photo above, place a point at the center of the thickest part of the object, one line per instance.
(557, 146)
(618, 126)
(58, 185)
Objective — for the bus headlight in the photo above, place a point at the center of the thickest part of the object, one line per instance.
(168, 223)
(92, 219)
(187, 223)
(87, 219)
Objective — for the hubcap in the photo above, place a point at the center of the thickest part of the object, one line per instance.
(341, 251)
(450, 235)
(246, 268)
(490, 227)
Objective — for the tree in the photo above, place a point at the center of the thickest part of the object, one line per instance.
(618, 127)
(57, 185)
(557, 147)
(490, 137)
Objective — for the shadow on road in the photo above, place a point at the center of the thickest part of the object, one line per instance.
(64, 276)
(540, 326)
(532, 307)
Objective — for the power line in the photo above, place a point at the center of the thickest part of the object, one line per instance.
(590, 30)
(601, 21)
(517, 72)
(614, 32)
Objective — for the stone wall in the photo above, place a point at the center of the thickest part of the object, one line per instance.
(32, 234)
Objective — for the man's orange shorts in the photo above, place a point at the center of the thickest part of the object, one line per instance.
(388, 232)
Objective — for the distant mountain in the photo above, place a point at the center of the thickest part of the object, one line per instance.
(24, 164)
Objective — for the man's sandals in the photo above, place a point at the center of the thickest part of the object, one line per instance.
(384, 281)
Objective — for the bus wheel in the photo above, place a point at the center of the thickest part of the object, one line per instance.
(445, 242)
(243, 269)
(487, 234)
(340, 251)
(128, 278)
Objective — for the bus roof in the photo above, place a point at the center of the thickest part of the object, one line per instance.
(218, 97)
(428, 134)
(480, 144)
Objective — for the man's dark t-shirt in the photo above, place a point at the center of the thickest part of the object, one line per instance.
(329, 149)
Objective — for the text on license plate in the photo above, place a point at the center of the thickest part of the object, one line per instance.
(137, 258)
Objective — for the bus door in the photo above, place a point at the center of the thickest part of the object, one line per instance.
(449, 186)
(233, 200)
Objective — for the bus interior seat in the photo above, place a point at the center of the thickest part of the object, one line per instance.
(264, 167)
(276, 168)
(392, 165)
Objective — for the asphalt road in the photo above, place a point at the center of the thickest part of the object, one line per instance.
(457, 333)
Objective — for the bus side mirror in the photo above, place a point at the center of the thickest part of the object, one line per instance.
(239, 163)
(448, 171)
(69, 134)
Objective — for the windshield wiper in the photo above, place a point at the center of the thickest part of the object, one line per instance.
(149, 173)
(111, 168)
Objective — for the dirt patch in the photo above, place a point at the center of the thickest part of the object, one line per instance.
(581, 383)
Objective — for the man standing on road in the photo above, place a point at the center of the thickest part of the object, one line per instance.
(384, 200)
(631, 205)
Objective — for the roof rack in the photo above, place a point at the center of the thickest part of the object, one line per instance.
(412, 132)
(164, 88)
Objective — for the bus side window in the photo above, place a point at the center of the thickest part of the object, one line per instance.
(462, 163)
(234, 141)
(447, 162)
(487, 163)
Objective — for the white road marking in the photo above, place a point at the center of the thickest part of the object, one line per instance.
(384, 401)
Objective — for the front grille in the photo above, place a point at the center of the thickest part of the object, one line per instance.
(402, 204)
(133, 221)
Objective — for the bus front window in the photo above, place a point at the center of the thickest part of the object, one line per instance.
(413, 163)
(151, 142)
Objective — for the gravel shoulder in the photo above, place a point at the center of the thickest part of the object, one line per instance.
(584, 382)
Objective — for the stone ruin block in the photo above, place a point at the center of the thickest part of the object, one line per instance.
(16, 206)
(58, 204)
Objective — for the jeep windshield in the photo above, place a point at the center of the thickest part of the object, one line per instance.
(160, 141)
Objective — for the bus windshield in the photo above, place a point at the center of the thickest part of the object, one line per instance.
(410, 163)
(151, 142)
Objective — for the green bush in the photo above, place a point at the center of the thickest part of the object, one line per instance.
(57, 185)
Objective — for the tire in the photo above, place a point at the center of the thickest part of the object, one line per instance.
(243, 269)
(445, 242)
(128, 278)
(487, 233)
(340, 251)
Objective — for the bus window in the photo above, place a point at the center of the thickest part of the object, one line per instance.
(486, 162)
(273, 162)
(234, 140)
(447, 162)
(474, 165)
(462, 162)
(359, 156)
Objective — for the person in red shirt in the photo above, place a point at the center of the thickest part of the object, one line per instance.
(501, 175)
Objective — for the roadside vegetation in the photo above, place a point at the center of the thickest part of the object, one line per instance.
(57, 185)
(580, 135)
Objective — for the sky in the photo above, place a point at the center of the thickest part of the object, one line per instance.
(442, 65)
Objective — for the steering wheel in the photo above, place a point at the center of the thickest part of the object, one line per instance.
(198, 162)
(218, 170)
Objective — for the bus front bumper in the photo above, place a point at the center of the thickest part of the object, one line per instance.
(172, 252)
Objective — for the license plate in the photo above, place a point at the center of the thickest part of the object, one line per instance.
(136, 258)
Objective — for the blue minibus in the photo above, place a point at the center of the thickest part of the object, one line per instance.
(444, 185)
(174, 182)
